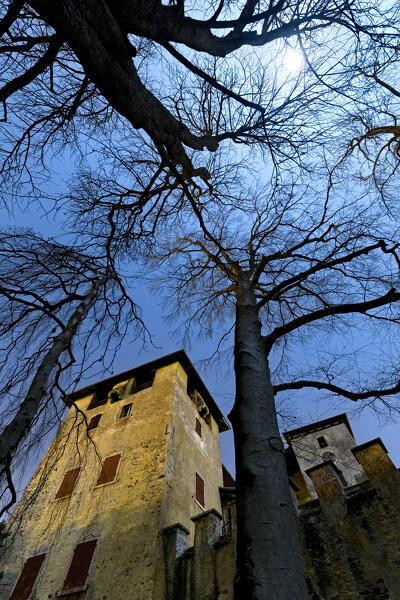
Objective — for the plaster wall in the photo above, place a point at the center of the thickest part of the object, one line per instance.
(189, 453)
(349, 539)
(124, 515)
(340, 441)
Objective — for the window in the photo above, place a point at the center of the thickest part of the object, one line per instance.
(322, 442)
(26, 581)
(341, 477)
(200, 490)
(79, 568)
(109, 469)
(126, 411)
(98, 399)
(68, 483)
(94, 421)
(143, 381)
(198, 427)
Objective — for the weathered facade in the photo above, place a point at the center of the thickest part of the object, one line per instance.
(349, 533)
(131, 501)
(136, 453)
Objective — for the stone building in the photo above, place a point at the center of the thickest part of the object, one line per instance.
(131, 500)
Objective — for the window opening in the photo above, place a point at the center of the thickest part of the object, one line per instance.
(143, 381)
(227, 523)
(79, 567)
(99, 398)
(198, 427)
(341, 477)
(109, 469)
(126, 411)
(27, 578)
(94, 421)
(200, 490)
(68, 483)
(322, 442)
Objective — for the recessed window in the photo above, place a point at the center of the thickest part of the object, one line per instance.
(198, 427)
(26, 580)
(322, 442)
(109, 469)
(143, 380)
(200, 490)
(94, 421)
(125, 411)
(68, 483)
(79, 568)
(98, 399)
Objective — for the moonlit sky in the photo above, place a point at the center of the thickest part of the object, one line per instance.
(304, 407)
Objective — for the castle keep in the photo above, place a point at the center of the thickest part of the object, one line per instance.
(131, 501)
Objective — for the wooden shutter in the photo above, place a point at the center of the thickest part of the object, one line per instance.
(94, 421)
(109, 469)
(26, 581)
(68, 483)
(79, 568)
(198, 427)
(200, 490)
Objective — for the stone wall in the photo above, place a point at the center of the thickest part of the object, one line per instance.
(162, 443)
(350, 539)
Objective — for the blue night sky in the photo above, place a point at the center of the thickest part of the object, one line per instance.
(304, 407)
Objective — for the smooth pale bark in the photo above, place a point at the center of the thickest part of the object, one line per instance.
(16, 430)
(269, 563)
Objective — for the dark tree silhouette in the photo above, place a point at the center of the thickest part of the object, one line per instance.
(55, 303)
(277, 266)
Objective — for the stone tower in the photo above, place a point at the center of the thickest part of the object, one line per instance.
(136, 453)
(330, 440)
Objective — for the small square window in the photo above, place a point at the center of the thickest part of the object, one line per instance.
(198, 427)
(322, 442)
(126, 411)
(99, 398)
(94, 421)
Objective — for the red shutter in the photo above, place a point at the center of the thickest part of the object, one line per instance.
(198, 427)
(109, 469)
(68, 483)
(94, 421)
(79, 568)
(27, 578)
(200, 490)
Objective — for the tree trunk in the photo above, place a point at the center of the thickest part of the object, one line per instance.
(269, 563)
(18, 427)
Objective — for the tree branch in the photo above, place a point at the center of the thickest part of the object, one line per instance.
(340, 309)
(330, 387)
(39, 67)
(274, 293)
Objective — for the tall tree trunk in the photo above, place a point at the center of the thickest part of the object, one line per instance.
(269, 563)
(18, 427)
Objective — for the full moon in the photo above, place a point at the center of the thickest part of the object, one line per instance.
(293, 60)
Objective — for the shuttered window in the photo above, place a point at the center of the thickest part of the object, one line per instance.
(109, 469)
(198, 427)
(27, 579)
(79, 568)
(94, 422)
(200, 490)
(68, 483)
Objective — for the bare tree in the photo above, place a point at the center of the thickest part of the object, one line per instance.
(82, 60)
(277, 266)
(55, 303)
